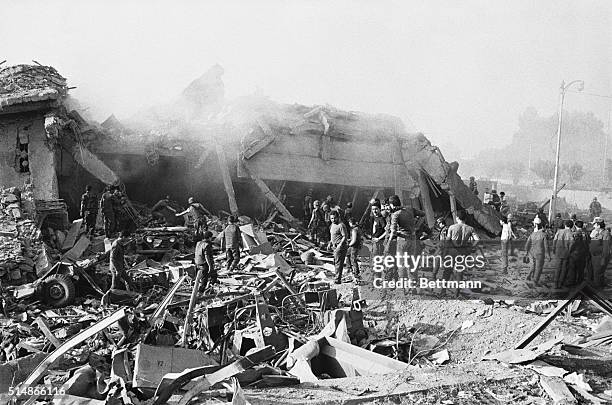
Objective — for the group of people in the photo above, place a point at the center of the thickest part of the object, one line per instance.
(497, 201)
(581, 254)
(336, 229)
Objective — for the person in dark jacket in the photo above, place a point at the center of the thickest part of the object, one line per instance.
(354, 245)
(107, 206)
(578, 254)
(231, 242)
(538, 249)
(117, 262)
(204, 260)
(89, 210)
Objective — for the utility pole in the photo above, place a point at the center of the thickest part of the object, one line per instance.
(553, 199)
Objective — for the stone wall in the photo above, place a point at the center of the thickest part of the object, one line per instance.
(41, 158)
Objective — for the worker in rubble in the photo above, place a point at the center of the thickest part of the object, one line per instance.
(562, 245)
(339, 243)
(599, 248)
(117, 263)
(461, 239)
(438, 234)
(89, 210)
(507, 235)
(558, 223)
(108, 211)
(327, 217)
(504, 207)
(473, 186)
(121, 218)
(196, 216)
(402, 233)
(537, 249)
(354, 246)
(334, 207)
(594, 208)
(231, 243)
(495, 200)
(158, 209)
(379, 230)
(317, 225)
(542, 217)
(204, 261)
(578, 254)
(307, 206)
(348, 212)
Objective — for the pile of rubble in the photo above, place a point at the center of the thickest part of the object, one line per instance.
(268, 333)
(21, 245)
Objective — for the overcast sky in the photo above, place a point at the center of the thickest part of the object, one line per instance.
(459, 71)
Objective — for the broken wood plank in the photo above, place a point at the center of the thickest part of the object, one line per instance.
(161, 308)
(44, 328)
(152, 363)
(227, 179)
(231, 370)
(556, 388)
(272, 197)
(542, 325)
(192, 302)
(40, 371)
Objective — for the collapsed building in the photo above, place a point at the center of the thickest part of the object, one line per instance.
(258, 150)
(277, 321)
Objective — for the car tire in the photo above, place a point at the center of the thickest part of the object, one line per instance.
(58, 290)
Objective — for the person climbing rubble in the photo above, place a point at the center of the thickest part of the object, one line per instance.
(108, 212)
(120, 278)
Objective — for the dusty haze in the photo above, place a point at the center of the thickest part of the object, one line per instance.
(461, 72)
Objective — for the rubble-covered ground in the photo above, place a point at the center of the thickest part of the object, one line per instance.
(275, 331)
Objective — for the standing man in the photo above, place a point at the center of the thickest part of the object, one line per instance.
(461, 240)
(348, 211)
(578, 254)
(354, 246)
(108, 211)
(117, 263)
(204, 260)
(379, 230)
(89, 210)
(537, 247)
(562, 245)
(231, 242)
(600, 251)
(558, 223)
(473, 186)
(495, 200)
(307, 206)
(339, 242)
(317, 225)
(196, 215)
(507, 235)
(402, 232)
(594, 208)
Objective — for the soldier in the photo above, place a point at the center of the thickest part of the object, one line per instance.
(594, 208)
(562, 245)
(402, 233)
(108, 211)
(599, 247)
(117, 262)
(231, 242)
(204, 260)
(339, 243)
(89, 210)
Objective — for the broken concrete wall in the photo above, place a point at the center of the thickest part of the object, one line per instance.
(41, 158)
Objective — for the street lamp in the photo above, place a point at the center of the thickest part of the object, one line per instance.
(563, 89)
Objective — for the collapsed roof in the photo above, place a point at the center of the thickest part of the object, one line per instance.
(30, 83)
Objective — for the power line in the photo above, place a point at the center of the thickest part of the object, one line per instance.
(589, 94)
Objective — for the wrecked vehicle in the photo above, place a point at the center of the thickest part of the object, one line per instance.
(153, 241)
(57, 287)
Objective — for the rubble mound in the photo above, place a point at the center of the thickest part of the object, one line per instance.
(27, 83)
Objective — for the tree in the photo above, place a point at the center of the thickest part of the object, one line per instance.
(544, 169)
(517, 169)
(574, 172)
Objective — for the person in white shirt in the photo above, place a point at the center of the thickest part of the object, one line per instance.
(507, 235)
(487, 198)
